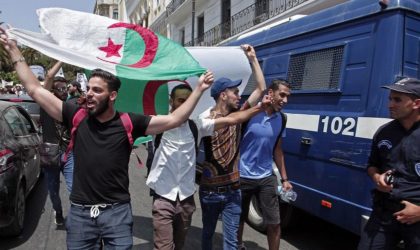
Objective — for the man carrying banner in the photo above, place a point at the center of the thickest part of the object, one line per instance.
(100, 200)
(219, 185)
(172, 174)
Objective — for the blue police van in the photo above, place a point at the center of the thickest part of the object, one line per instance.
(337, 60)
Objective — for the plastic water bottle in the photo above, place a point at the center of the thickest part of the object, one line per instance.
(286, 196)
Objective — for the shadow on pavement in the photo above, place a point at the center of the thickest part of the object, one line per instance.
(143, 230)
(306, 229)
(35, 203)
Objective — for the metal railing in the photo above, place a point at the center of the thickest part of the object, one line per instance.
(259, 12)
(245, 19)
(173, 5)
(161, 24)
(213, 36)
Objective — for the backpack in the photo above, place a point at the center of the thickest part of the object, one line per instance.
(82, 113)
(194, 131)
(283, 126)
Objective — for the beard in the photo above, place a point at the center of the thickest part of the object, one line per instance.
(100, 109)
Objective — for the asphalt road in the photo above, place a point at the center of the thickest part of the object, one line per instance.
(41, 233)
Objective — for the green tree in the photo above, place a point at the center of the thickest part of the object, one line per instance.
(32, 57)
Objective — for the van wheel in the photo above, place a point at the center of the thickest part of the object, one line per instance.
(256, 221)
(16, 227)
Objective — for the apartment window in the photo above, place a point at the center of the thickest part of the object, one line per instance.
(226, 15)
(182, 36)
(115, 14)
(200, 28)
(261, 11)
(316, 70)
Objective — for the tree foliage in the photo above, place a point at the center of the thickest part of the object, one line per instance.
(32, 57)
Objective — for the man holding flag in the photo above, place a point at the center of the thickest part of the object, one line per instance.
(100, 200)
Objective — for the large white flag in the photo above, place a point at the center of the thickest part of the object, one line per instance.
(143, 60)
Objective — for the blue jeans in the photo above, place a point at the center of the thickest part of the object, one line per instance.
(67, 170)
(229, 205)
(113, 227)
(53, 180)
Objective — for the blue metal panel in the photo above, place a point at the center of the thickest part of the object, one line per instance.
(379, 45)
(412, 47)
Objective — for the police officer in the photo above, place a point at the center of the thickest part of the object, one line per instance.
(394, 166)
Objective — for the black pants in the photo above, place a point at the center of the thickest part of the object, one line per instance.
(384, 232)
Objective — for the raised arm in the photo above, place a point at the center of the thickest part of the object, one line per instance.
(258, 74)
(161, 123)
(242, 115)
(50, 103)
(49, 78)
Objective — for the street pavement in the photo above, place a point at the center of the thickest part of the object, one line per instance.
(41, 233)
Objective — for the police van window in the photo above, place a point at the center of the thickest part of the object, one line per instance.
(316, 70)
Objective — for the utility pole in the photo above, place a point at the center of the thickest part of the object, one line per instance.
(192, 22)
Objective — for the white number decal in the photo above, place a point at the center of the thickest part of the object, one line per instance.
(338, 126)
(351, 124)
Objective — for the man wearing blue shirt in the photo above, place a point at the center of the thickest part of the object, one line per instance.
(261, 144)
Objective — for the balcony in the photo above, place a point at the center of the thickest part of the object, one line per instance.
(247, 18)
(173, 5)
(212, 36)
(160, 24)
(260, 12)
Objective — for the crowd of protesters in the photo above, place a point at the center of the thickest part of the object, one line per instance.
(100, 214)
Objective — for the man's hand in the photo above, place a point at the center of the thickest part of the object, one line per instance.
(409, 215)
(381, 184)
(266, 101)
(205, 81)
(8, 44)
(249, 52)
(287, 185)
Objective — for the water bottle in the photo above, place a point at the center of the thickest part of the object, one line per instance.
(286, 196)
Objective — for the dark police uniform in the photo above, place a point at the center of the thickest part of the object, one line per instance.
(396, 149)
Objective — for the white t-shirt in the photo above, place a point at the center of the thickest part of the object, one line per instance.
(173, 169)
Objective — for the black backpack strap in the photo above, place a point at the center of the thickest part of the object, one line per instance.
(158, 137)
(194, 131)
(244, 125)
(283, 126)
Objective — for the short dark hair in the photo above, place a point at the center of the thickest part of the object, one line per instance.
(275, 84)
(59, 79)
(180, 86)
(113, 82)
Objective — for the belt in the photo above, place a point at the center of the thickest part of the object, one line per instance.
(95, 209)
(221, 189)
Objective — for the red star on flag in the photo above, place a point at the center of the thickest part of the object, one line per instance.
(112, 49)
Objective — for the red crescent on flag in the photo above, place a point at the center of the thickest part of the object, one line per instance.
(149, 95)
(151, 42)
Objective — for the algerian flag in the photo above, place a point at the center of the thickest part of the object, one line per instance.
(91, 41)
(143, 60)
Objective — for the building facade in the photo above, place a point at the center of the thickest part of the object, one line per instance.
(208, 22)
(212, 22)
(108, 8)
